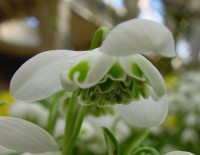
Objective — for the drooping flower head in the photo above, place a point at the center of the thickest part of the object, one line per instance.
(114, 73)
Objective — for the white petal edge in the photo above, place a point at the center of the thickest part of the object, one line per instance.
(179, 153)
(152, 74)
(39, 77)
(145, 112)
(139, 36)
(99, 65)
(24, 136)
(126, 64)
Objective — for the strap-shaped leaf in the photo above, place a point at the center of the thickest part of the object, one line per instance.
(112, 144)
(134, 143)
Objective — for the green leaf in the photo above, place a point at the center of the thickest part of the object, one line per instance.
(145, 151)
(112, 144)
(136, 142)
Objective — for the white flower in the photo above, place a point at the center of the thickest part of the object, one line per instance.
(113, 73)
(179, 153)
(141, 110)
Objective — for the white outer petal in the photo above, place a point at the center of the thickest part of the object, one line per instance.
(126, 64)
(179, 153)
(144, 113)
(152, 74)
(99, 66)
(23, 136)
(39, 77)
(139, 36)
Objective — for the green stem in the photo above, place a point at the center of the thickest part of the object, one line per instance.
(77, 128)
(133, 145)
(53, 114)
(100, 33)
(68, 122)
(148, 150)
(74, 120)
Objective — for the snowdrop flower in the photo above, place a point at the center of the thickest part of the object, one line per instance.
(115, 73)
(179, 153)
(133, 113)
(39, 77)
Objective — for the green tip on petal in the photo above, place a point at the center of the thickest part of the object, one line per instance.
(116, 71)
(136, 70)
(82, 68)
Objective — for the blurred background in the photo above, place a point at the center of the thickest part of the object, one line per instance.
(30, 27)
(33, 26)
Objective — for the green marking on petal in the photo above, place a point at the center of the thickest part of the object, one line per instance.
(136, 70)
(83, 68)
(136, 90)
(116, 71)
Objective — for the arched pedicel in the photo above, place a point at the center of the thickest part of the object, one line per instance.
(139, 36)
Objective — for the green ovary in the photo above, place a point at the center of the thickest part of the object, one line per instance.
(82, 68)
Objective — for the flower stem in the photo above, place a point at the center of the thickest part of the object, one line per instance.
(150, 150)
(74, 120)
(53, 115)
(100, 33)
(133, 145)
